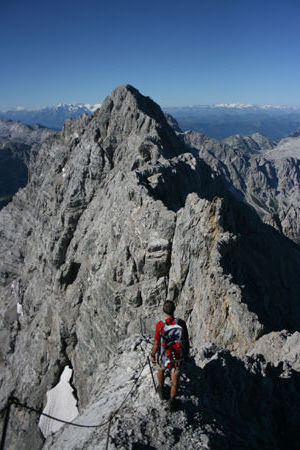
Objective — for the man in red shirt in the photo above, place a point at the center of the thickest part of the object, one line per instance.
(173, 363)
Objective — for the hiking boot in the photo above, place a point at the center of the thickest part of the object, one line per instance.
(172, 404)
(160, 392)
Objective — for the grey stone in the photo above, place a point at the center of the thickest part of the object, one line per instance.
(259, 171)
(18, 142)
(118, 216)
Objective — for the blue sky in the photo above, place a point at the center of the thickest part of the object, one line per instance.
(178, 53)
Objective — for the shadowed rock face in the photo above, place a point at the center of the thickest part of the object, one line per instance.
(118, 216)
(259, 171)
(17, 141)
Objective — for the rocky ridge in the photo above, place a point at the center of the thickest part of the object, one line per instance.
(18, 132)
(295, 133)
(224, 402)
(118, 216)
(263, 173)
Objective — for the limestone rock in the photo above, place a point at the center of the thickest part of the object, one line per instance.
(17, 142)
(225, 404)
(118, 216)
(279, 346)
(259, 171)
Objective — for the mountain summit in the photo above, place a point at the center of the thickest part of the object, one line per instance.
(118, 216)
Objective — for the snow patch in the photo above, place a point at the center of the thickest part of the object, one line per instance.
(20, 309)
(61, 403)
(234, 105)
(92, 108)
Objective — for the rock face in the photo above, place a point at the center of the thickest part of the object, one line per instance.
(118, 216)
(259, 171)
(17, 141)
(18, 132)
(224, 402)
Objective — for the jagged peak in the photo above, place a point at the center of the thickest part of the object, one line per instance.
(124, 88)
(126, 112)
(133, 101)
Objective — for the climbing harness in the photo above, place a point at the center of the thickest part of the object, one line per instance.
(15, 401)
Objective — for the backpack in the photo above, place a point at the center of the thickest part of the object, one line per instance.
(172, 344)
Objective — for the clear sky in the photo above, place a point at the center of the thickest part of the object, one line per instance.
(177, 52)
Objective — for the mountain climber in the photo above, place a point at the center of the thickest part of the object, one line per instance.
(171, 341)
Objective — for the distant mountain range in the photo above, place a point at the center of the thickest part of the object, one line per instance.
(223, 120)
(216, 121)
(51, 116)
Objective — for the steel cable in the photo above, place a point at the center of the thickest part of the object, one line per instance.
(15, 401)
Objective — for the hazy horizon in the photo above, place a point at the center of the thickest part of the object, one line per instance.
(219, 105)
